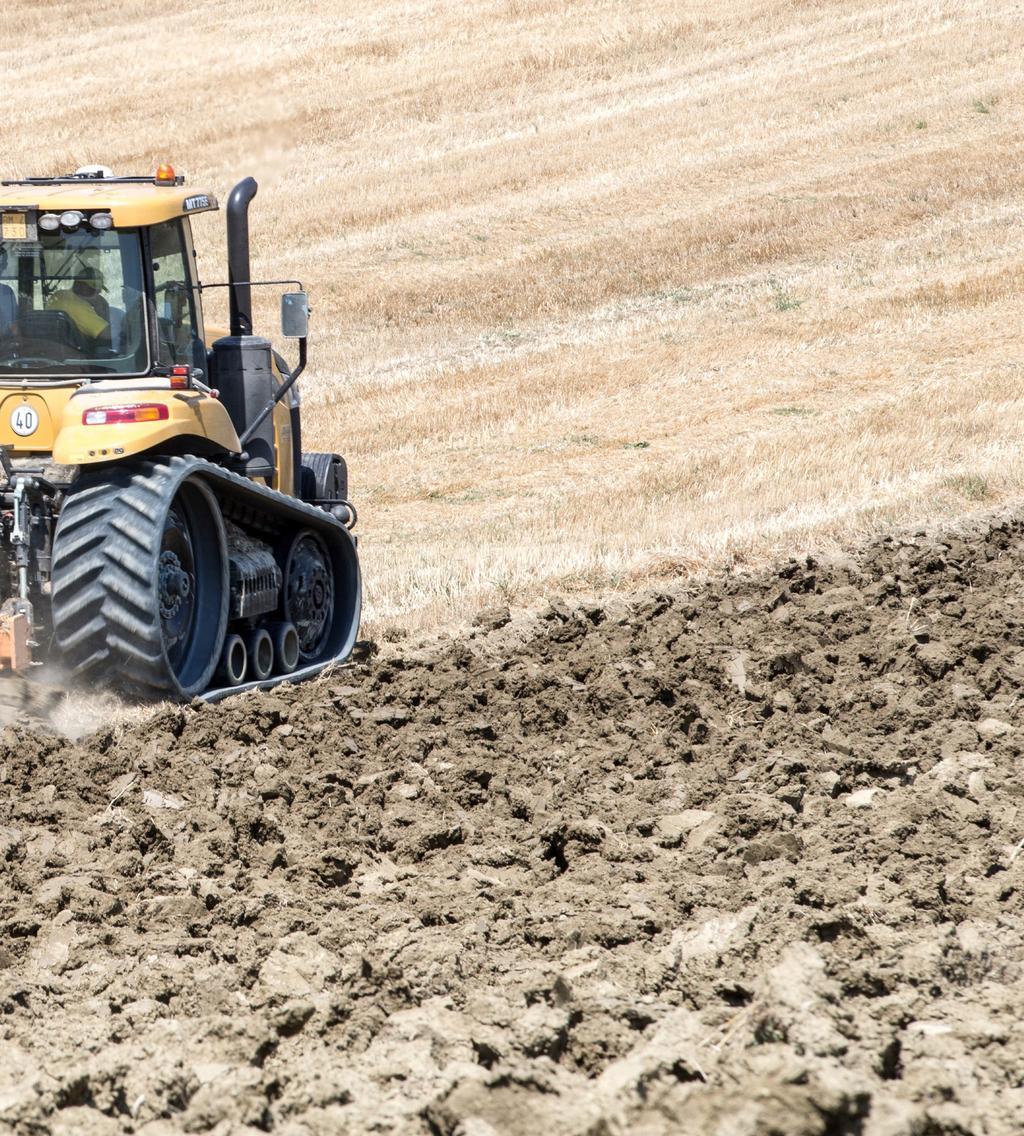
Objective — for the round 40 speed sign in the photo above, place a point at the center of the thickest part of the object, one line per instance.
(24, 420)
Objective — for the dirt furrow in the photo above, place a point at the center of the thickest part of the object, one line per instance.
(741, 858)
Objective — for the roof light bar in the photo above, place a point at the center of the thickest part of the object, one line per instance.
(77, 179)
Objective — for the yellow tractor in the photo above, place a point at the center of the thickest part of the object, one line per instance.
(161, 530)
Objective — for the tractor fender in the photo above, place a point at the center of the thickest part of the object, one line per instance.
(118, 422)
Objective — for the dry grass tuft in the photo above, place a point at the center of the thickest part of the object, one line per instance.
(602, 292)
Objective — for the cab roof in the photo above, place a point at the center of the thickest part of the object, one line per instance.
(130, 201)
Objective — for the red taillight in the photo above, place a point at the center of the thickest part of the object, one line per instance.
(137, 412)
(179, 378)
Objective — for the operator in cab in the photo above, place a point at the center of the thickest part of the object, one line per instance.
(84, 304)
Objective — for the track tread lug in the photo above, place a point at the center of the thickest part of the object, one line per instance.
(106, 547)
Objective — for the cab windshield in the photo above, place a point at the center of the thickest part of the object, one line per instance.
(73, 304)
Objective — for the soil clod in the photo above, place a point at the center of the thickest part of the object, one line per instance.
(669, 863)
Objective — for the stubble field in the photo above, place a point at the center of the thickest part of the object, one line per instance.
(602, 292)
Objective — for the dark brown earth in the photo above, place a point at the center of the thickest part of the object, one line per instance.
(743, 858)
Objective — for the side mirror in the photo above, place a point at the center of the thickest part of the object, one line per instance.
(295, 315)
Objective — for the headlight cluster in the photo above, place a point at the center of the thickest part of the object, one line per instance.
(72, 219)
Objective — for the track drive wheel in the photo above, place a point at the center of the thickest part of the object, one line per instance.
(140, 580)
(309, 594)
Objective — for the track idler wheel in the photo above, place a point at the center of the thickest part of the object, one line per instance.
(309, 594)
(192, 586)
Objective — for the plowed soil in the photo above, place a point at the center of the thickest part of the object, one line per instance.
(741, 858)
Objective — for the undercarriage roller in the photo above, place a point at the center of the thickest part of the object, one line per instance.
(260, 648)
(286, 647)
(234, 660)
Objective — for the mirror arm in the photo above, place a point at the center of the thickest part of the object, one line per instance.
(282, 390)
(250, 284)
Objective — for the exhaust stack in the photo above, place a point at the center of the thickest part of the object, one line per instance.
(238, 256)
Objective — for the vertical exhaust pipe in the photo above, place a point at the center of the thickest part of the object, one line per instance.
(238, 256)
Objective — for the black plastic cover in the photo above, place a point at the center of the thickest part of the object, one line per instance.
(243, 372)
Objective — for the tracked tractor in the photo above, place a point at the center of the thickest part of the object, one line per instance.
(161, 530)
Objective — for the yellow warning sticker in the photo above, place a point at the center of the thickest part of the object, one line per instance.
(14, 226)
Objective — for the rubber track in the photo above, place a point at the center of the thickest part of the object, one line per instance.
(106, 546)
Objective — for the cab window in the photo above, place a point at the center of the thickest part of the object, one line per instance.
(72, 303)
(174, 297)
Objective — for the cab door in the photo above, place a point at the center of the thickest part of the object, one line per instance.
(178, 318)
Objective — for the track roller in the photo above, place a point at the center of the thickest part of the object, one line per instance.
(234, 660)
(260, 647)
(286, 647)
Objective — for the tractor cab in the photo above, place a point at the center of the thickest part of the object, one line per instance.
(99, 293)
(98, 277)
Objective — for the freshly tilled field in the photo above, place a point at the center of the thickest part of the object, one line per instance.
(743, 858)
